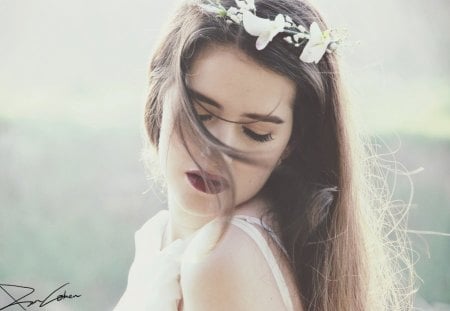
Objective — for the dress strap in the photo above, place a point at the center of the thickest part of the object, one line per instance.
(259, 222)
(244, 223)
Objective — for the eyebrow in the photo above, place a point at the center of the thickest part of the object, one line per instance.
(254, 116)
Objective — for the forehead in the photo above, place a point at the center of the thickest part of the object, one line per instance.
(238, 83)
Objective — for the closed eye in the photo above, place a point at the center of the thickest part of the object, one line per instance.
(204, 117)
(251, 134)
(257, 137)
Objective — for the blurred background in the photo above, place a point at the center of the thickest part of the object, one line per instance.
(72, 89)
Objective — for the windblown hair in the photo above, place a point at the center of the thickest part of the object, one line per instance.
(331, 220)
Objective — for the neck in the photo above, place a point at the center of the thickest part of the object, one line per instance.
(184, 222)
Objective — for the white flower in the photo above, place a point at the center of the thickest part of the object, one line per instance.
(234, 14)
(246, 5)
(299, 36)
(264, 29)
(333, 46)
(232, 11)
(316, 46)
(288, 39)
(301, 28)
(211, 9)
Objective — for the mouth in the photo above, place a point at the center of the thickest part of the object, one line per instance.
(211, 184)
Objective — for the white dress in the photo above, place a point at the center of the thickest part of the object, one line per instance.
(154, 276)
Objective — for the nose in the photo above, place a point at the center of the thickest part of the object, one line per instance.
(228, 159)
(225, 132)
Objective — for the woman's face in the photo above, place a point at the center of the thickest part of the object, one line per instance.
(228, 85)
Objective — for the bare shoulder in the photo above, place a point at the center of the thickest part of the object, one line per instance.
(233, 276)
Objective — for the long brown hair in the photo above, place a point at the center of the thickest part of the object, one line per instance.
(335, 238)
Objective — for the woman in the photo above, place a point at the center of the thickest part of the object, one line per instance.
(267, 207)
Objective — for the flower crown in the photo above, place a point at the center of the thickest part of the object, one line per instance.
(317, 42)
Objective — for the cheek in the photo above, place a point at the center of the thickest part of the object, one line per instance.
(252, 178)
(173, 157)
(163, 148)
(170, 153)
(168, 146)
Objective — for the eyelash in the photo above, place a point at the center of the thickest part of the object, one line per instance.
(246, 131)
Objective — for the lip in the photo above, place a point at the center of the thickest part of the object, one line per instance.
(214, 184)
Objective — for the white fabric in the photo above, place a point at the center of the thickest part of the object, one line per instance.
(154, 275)
(153, 279)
